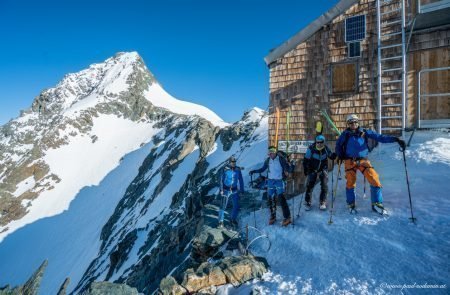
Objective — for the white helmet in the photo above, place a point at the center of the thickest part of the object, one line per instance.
(352, 117)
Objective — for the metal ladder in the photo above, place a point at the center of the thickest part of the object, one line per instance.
(391, 66)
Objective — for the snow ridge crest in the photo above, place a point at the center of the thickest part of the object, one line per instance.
(108, 78)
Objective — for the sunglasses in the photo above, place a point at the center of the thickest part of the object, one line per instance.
(353, 122)
(319, 142)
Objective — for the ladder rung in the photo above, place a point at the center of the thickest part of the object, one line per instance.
(391, 58)
(435, 94)
(391, 34)
(391, 105)
(392, 117)
(390, 46)
(393, 81)
(392, 93)
(392, 128)
(391, 70)
(391, 23)
(390, 11)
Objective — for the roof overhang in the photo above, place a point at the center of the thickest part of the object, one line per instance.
(308, 31)
(432, 19)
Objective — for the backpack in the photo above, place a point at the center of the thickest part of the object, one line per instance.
(290, 164)
(371, 143)
(228, 181)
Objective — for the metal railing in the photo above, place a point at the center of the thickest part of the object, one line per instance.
(430, 123)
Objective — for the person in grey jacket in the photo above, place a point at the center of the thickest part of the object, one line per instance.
(278, 169)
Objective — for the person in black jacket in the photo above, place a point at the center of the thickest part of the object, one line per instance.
(315, 165)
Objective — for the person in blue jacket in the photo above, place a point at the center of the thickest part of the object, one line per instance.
(352, 148)
(279, 169)
(315, 165)
(231, 185)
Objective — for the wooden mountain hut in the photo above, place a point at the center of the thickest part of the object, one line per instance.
(388, 61)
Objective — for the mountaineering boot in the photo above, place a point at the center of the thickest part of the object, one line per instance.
(379, 208)
(307, 206)
(323, 206)
(272, 220)
(352, 208)
(286, 221)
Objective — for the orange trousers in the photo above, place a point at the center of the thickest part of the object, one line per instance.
(351, 166)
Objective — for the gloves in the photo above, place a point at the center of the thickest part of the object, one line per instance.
(333, 156)
(252, 172)
(401, 143)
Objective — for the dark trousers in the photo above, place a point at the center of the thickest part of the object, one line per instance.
(272, 204)
(311, 182)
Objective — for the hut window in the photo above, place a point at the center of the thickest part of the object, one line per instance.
(355, 28)
(354, 49)
(344, 77)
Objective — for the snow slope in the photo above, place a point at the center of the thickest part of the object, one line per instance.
(367, 253)
(72, 239)
(84, 162)
(160, 98)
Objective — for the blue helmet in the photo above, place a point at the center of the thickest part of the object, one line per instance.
(320, 137)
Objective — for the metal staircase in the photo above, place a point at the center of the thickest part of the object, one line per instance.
(391, 66)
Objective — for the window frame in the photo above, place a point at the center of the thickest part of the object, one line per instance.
(348, 49)
(357, 69)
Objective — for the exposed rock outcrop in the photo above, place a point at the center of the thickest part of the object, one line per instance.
(216, 260)
(233, 270)
(31, 287)
(63, 288)
(102, 288)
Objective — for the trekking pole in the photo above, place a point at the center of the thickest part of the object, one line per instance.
(301, 200)
(364, 196)
(254, 208)
(332, 179)
(293, 204)
(334, 194)
(412, 218)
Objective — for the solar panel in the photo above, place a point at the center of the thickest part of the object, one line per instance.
(355, 28)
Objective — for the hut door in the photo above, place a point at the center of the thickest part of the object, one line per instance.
(434, 98)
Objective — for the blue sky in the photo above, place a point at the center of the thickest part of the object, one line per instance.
(207, 52)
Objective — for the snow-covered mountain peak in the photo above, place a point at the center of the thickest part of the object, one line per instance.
(253, 115)
(123, 77)
(106, 80)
